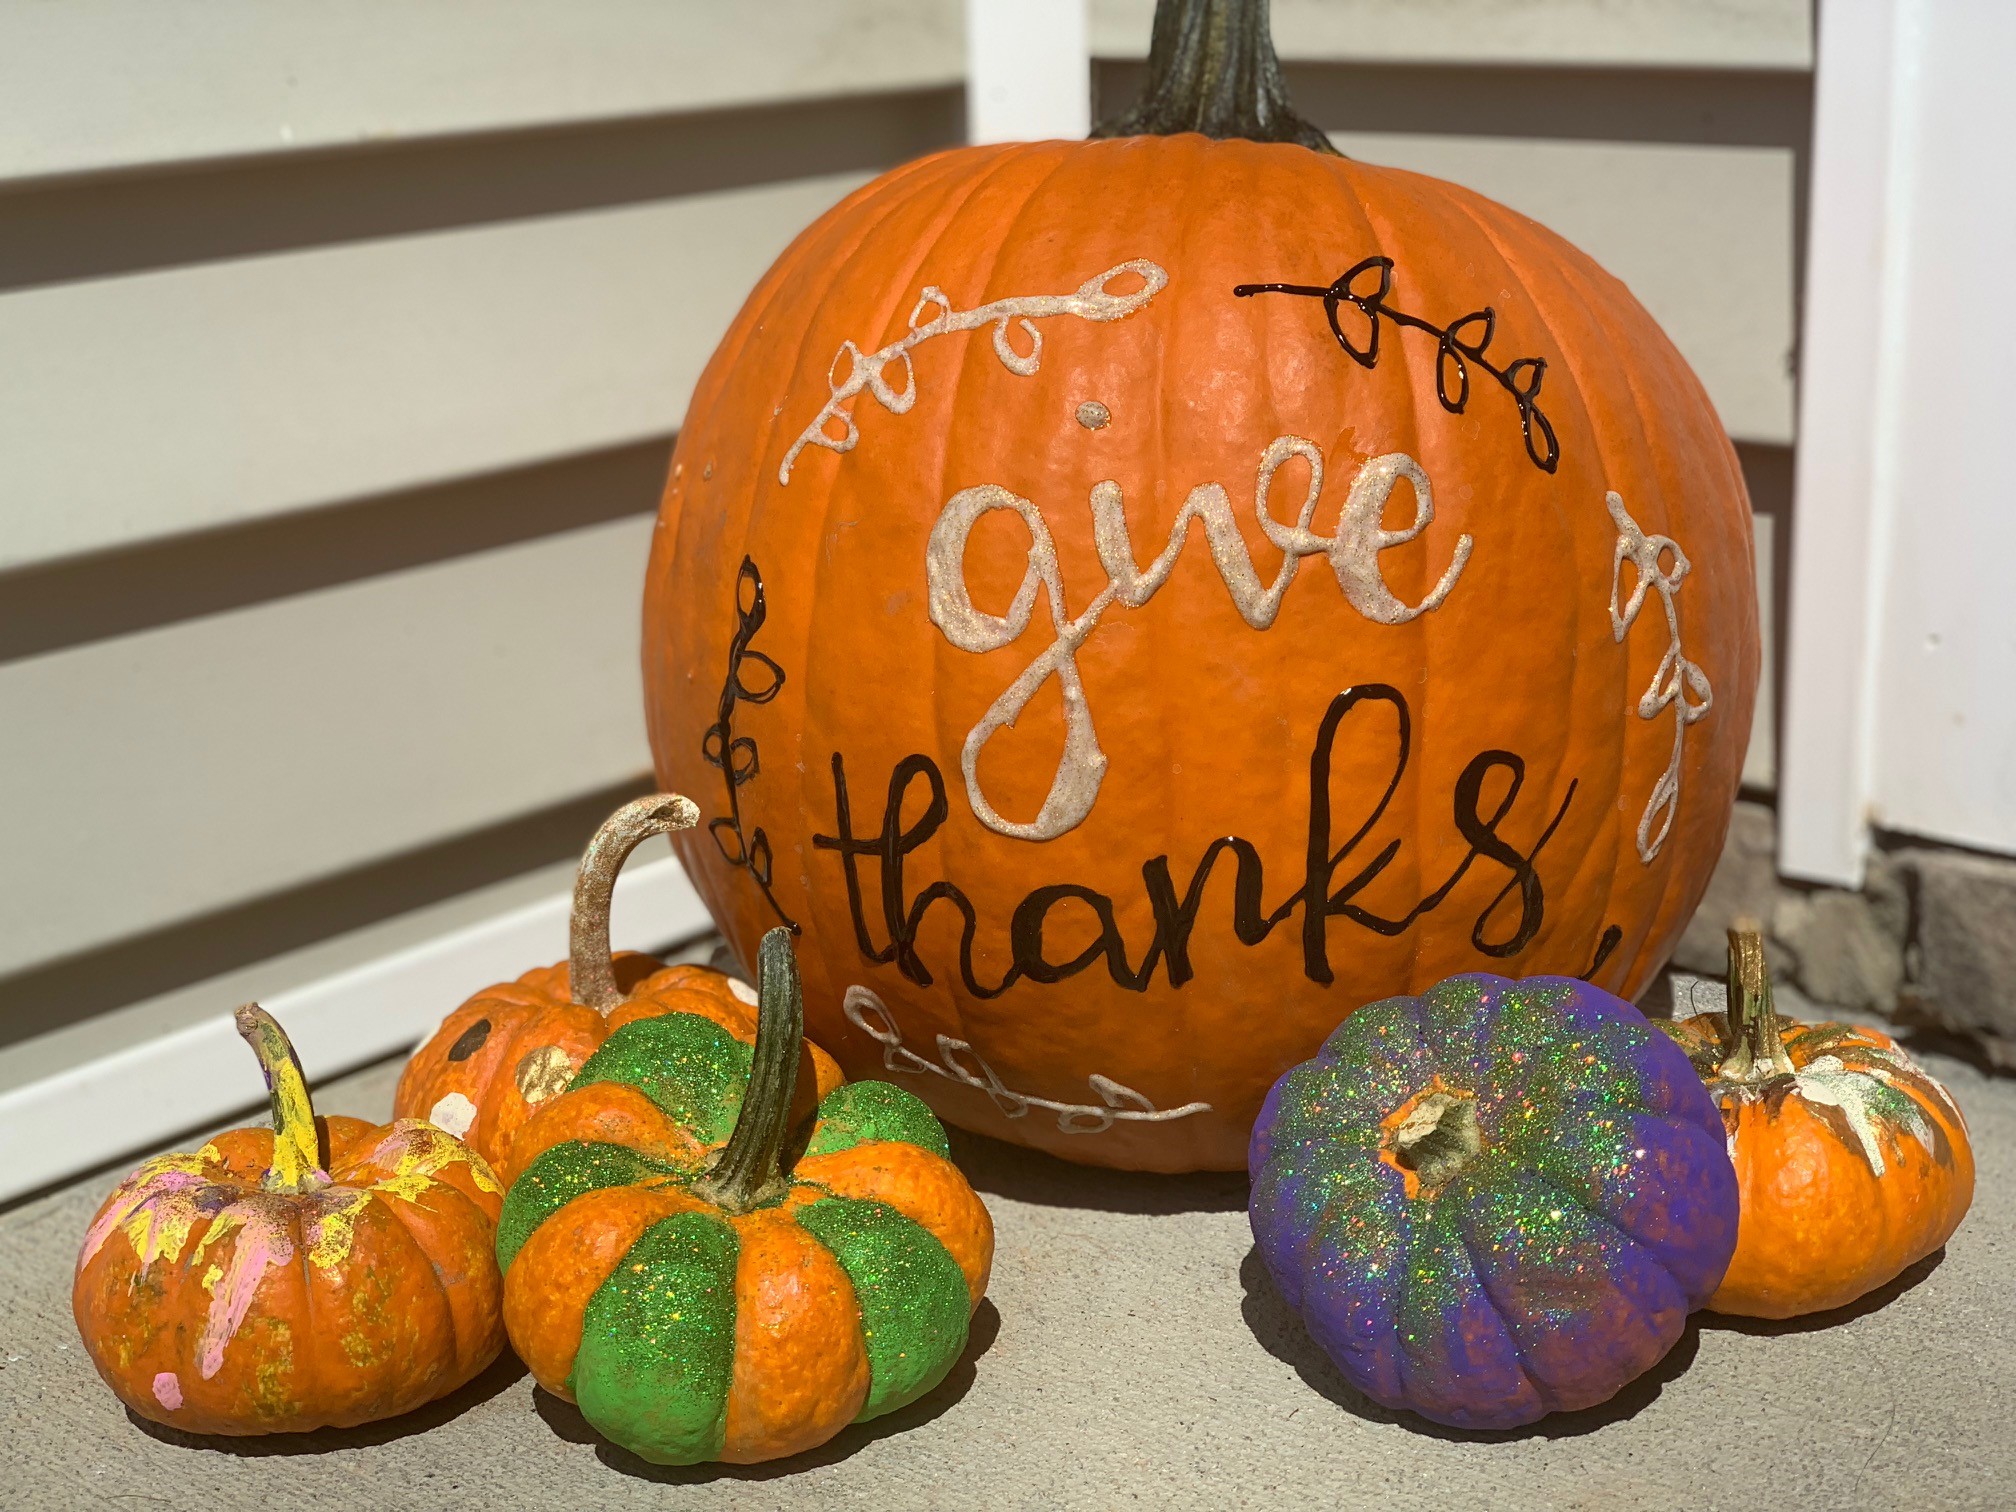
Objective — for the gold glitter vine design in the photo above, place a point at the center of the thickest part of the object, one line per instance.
(1676, 678)
(869, 370)
(1117, 1103)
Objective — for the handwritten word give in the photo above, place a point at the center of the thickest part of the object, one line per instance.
(1352, 552)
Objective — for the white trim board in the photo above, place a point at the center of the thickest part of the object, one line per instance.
(1839, 548)
(136, 1097)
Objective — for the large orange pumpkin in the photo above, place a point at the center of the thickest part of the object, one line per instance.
(1133, 601)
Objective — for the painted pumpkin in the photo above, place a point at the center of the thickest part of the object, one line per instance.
(702, 1292)
(1852, 1161)
(989, 521)
(515, 1046)
(320, 1273)
(1494, 1201)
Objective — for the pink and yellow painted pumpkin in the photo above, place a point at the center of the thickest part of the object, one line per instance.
(324, 1272)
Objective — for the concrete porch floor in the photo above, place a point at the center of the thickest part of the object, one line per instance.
(1131, 1353)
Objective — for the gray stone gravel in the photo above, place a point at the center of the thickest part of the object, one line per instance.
(1131, 1354)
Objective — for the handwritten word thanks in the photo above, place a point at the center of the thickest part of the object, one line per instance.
(1352, 552)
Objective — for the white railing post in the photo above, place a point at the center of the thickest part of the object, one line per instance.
(1839, 544)
(1028, 70)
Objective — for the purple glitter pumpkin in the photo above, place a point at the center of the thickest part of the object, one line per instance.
(1494, 1201)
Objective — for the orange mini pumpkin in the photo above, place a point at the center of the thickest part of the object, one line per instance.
(1167, 591)
(1852, 1162)
(323, 1272)
(516, 1045)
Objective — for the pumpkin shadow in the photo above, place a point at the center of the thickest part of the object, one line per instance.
(1771, 1328)
(1280, 1332)
(565, 1419)
(500, 1376)
(999, 1169)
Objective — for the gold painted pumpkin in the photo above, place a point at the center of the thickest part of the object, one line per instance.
(1853, 1162)
(1133, 601)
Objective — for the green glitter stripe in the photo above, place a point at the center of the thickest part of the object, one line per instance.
(556, 1178)
(658, 1343)
(913, 1298)
(689, 1066)
(867, 1111)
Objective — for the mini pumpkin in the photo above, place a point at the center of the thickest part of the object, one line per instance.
(1494, 1201)
(516, 1045)
(320, 1273)
(724, 1283)
(1853, 1162)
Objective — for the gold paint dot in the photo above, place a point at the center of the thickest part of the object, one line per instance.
(1093, 415)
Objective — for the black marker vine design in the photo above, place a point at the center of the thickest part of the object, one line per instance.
(1613, 936)
(1366, 286)
(736, 754)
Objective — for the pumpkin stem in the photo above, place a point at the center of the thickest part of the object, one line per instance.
(1754, 1051)
(591, 974)
(750, 1170)
(1212, 68)
(297, 1155)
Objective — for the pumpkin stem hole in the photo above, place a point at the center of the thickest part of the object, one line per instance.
(1432, 1138)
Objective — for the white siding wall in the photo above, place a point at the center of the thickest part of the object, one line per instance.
(341, 342)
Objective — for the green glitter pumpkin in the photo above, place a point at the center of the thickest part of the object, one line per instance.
(700, 1296)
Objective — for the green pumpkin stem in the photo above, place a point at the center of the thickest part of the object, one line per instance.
(750, 1171)
(297, 1154)
(591, 973)
(1754, 1051)
(1212, 68)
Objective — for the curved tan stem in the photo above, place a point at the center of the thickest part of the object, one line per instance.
(591, 974)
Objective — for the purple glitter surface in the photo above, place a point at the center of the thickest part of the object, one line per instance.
(1494, 1201)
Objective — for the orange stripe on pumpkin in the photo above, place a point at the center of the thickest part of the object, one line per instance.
(801, 1369)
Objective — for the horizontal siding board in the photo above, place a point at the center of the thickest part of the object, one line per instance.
(1703, 235)
(92, 85)
(171, 401)
(152, 966)
(67, 230)
(1631, 33)
(163, 775)
(153, 1085)
(76, 600)
(33, 1051)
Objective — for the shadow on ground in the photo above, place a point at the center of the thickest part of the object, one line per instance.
(1861, 1307)
(502, 1374)
(1280, 1332)
(565, 1419)
(996, 1169)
